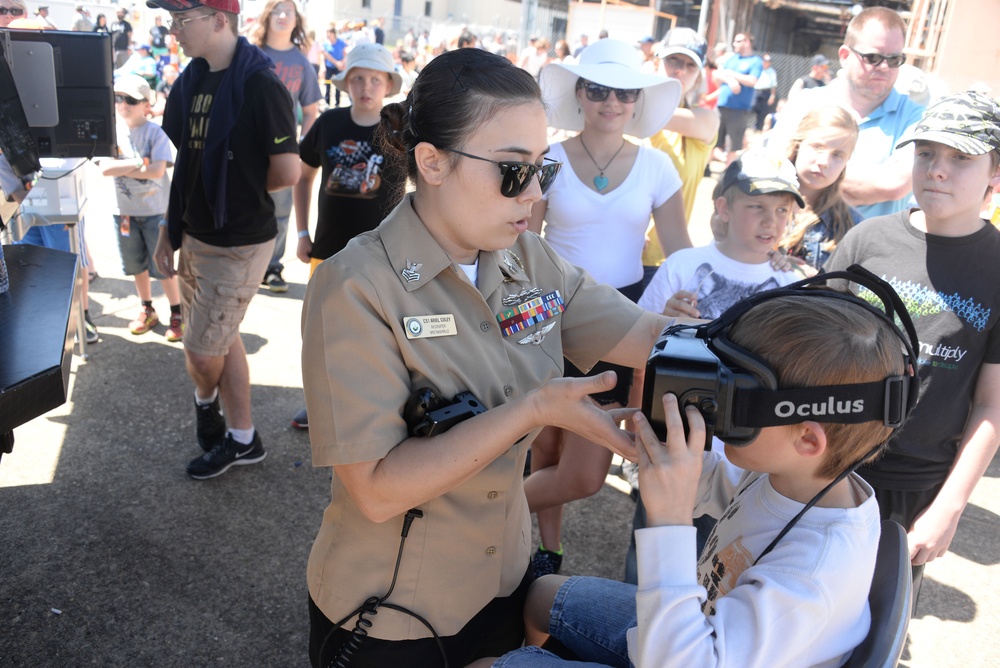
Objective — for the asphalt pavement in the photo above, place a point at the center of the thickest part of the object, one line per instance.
(112, 556)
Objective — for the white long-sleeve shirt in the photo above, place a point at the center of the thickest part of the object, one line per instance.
(804, 604)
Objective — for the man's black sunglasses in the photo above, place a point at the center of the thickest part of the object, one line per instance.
(875, 59)
(516, 176)
(13, 11)
(599, 93)
(130, 101)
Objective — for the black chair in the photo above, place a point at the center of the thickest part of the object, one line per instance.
(889, 599)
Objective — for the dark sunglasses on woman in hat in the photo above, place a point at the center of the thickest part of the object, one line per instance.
(598, 93)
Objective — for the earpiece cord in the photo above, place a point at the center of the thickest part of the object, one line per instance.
(370, 607)
(812, 502)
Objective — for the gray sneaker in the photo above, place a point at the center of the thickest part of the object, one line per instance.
(229, 453)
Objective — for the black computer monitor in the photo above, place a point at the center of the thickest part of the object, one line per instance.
(77, 119)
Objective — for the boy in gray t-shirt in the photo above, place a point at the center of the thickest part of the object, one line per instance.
(142, 190)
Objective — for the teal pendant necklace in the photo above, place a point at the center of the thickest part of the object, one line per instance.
(601, 181)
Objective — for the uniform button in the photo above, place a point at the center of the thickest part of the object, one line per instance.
(491, 550)
(484, 325)
(508, 390)
(492, 495)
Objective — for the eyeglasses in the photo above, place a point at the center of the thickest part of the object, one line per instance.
(13, 11)
(181, 24)
(875, 59)
(516, 176)
(599, 93)
(130, 101)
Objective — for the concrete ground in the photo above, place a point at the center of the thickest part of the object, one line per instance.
(112, 556)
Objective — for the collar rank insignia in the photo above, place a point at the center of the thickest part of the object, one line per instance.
(513, 262)
(412, 271)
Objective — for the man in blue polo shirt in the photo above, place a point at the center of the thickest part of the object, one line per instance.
(878, 177)
(736, 79)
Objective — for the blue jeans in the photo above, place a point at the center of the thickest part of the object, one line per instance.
(590, 616)
(282, 211)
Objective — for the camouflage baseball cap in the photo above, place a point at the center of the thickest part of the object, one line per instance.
(968, 122)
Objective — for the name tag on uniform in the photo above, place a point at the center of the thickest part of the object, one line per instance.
(429, 326)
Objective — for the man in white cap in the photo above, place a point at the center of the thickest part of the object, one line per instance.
(231, 120)
(357, 193)
(43, 16)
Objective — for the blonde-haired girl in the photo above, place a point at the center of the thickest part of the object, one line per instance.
(820, 149)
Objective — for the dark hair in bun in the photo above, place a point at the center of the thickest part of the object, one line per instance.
(454, 94)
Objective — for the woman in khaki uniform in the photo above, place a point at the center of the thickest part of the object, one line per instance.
(448, 293)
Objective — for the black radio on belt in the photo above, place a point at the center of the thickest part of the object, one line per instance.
(426, 414)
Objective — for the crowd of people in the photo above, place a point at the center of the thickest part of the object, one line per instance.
(458, 252)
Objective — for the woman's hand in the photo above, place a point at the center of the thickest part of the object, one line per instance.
(669, 472)
(683, 303)
(566, 403)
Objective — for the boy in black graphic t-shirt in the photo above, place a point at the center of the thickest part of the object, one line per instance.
(230, 118)
(944, 261)
(358, 192)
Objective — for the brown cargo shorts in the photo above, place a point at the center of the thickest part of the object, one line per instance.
(216, 285)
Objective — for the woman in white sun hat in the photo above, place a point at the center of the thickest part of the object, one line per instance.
(596, 215)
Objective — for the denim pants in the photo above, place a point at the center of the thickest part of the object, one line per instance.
(590, 616)
(282, 211)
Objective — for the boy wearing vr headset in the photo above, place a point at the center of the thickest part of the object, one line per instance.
(751, 599)
(944, 259)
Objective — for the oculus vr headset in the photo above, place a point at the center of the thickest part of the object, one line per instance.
(737, 392)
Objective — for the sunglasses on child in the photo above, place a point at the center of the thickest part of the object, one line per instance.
(13, 11)
(875, 59)
(130, 101)
(515, 177)
(599, 93)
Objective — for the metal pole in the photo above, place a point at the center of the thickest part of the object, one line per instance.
(529, 9)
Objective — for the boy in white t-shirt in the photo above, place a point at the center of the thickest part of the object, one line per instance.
(755, 202)
(142, 189)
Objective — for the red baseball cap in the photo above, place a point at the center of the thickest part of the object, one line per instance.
(232, 6)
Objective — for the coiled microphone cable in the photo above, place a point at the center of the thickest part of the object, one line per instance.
(370, 608)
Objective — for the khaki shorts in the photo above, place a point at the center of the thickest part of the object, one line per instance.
(216, 285)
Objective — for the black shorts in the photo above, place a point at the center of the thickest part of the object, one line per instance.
(495, 630)
(732, 124)
(619, 394)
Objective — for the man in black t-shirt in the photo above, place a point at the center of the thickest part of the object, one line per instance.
(221, 215)
(121, 38)
(158, 38)
(819, 75)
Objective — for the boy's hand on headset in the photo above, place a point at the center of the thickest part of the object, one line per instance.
(669, 472)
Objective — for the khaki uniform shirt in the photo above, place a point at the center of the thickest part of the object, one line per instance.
(359, 369)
